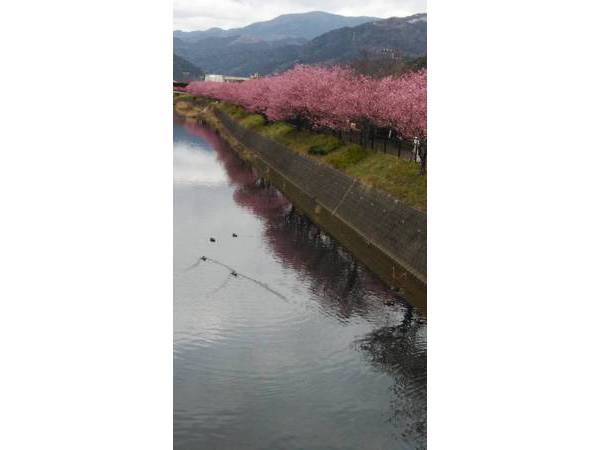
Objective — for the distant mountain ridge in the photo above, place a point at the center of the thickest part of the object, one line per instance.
(406, 36)
(244, 55)
(303, 26)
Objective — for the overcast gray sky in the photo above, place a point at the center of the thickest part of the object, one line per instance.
(203, 14)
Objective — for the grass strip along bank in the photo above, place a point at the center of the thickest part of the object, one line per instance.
(396, 176)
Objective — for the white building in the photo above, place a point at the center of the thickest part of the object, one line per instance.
(215, 78)
(224, 78)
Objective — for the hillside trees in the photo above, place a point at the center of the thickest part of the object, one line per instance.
(380, 64)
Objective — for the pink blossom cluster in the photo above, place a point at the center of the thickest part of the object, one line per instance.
(333, 97)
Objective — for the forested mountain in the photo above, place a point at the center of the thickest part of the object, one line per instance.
(231, 57)
(404, 37)
(303, 26)
(183, 70)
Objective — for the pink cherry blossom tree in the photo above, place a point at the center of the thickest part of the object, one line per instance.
(333, 98)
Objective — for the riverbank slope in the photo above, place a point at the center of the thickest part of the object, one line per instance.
(385, 233)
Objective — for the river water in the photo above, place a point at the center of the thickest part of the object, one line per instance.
(281, 339)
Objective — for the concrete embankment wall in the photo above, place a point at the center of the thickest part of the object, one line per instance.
(385, 234)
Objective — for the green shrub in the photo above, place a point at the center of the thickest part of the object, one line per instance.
(253, 121)
(277, 130)
(317, 150)
(347, 156)
(321, 144)
(233, 110)
(183, 97)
